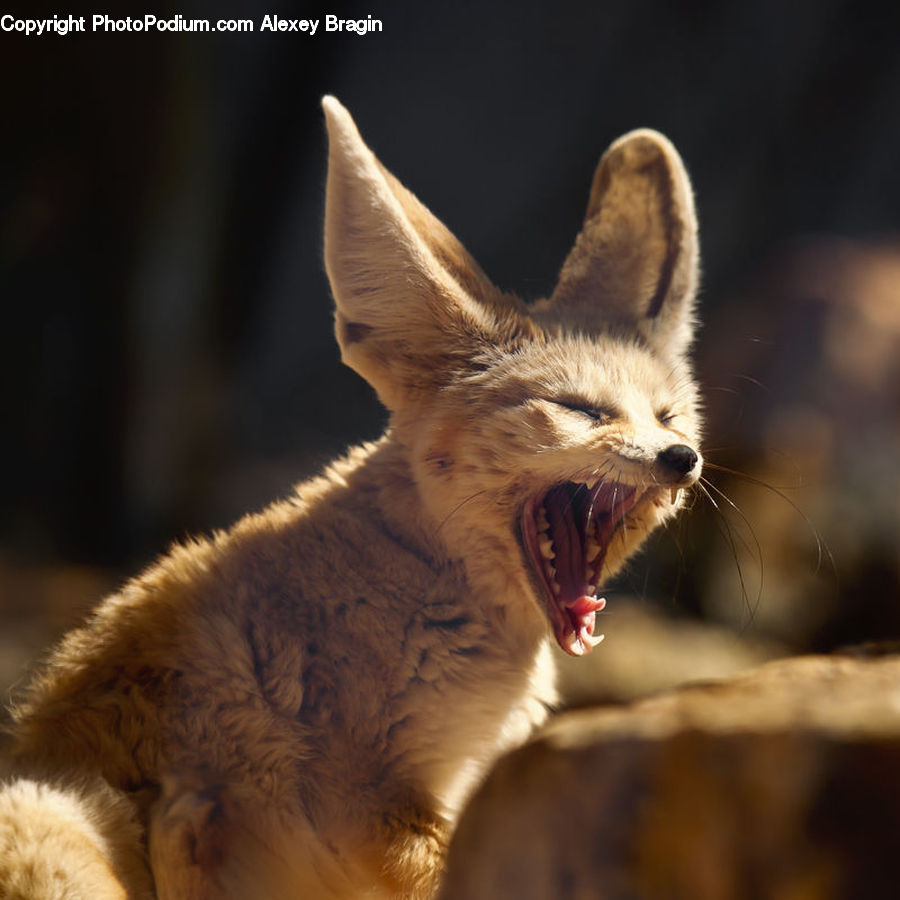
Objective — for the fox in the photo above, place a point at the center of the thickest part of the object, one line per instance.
(300, 705)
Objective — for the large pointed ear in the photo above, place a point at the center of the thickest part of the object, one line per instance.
(410, 301)
(634, 265)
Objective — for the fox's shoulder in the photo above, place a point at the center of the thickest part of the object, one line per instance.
(246, 607)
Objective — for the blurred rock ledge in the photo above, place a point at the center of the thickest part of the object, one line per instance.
(780, 783)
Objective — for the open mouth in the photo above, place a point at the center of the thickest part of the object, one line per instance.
(566, 532)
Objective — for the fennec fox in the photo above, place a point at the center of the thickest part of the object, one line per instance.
(298, 707)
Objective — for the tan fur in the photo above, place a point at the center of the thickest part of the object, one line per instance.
(58, 844)
(301, 705)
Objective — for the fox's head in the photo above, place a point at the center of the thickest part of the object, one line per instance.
(546, 440)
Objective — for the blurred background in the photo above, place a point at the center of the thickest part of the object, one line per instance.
(167, 358)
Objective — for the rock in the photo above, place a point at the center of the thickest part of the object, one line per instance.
(780, 783)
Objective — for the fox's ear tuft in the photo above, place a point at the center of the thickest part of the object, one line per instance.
(410, 300)
(635, 263)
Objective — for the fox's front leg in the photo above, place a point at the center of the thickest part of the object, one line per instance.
(184, 842)
(205, 846)
(212, 841)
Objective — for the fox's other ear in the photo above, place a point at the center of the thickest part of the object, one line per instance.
(635, 263)
(410, 301)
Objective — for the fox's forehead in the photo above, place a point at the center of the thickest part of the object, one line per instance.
(604, 371)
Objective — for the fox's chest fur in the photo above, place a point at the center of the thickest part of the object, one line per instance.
(299, 706)
(390, 666)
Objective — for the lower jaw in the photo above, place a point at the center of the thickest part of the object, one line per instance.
(615, 547)
(572, 609)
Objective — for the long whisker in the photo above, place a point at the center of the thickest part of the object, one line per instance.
(581, 486)
(602, 473)
(822, 549)
(458, 507)
(746, 521)
(621, 518)
(750, 380)
(796, 485)
(726, 531)
(682, 564)
(674, 529)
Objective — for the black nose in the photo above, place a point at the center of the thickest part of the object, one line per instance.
(679, 458)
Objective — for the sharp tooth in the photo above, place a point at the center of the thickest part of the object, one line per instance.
(674, 495)
(573, 644)
(555, 587)
(542, 522)
(587, 640)
(592, 549)
(546, 546)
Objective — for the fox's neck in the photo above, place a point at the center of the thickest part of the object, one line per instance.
(493, 575)
(471, 674)
(503, 689)
(384, 482)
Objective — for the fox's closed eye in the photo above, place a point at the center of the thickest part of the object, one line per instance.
(666, 417)
(596, 413)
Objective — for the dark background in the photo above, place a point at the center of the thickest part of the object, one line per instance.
(167, 359)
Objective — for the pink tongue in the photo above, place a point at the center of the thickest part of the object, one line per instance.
(585, 605)
(583, 617)
(578, 637)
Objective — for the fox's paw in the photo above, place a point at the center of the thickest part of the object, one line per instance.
(50, 848)
(210, 841)
(187, 839)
